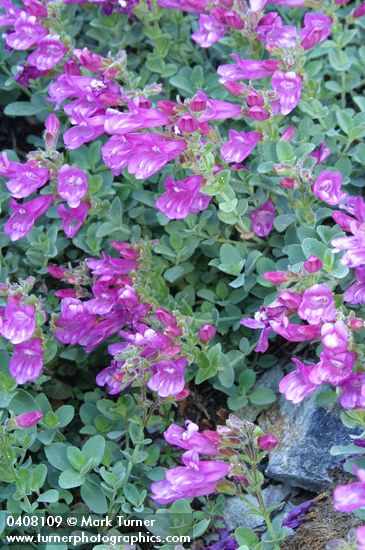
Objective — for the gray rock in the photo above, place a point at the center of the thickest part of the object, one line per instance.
(236, 511)
(306, 433)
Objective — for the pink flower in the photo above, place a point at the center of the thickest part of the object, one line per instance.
(334, 367)
(317, 27)
(197, 478)
(359, 11)
(209, 32)
(296, 333)
(50, 51)
(143, 153)
(348, 498)
(207, 332)
(275, 277)
(73, 218)
(190, 6)
(22, 221)
(215, 109)
(109, 267)
(168, 378)
(52, 125)
(182, 197)
(288, 134)
(18, 322)
(263, 320)
(353, 392)
(262, 219)
(87, 129)
(91, 61)
(282, 37)
(72, 185)
(288, 86)
(360, 531)
(321, 154)
(317, 305)
(313, 264)
(26, 32)
(247, 69)
(327, 187)
(27, 420)
(239, 146)
(191, 439)
(27, 361)
(120, 123)
(334, 336)
(296, 385)
(28, 178)
(267, 442)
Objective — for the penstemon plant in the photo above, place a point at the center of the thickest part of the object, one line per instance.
(185, 173)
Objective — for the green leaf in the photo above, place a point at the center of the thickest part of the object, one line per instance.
(94, 498)
(313, 247)
(284, 151)
(345, 121)
(56, 454)
(52, 495)
(262, 396)
(65, 414)
(70, 478)
(22, 108)
(131, 494)
(76, 458)
(93, 450)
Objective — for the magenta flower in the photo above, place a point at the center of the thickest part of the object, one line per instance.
(72, 185)
(182, 197)
(262, 219)
(114, 378)
(317, 27)
(353, 392)
(73, 218)
(109, 267)
(317, 305)
(196, 478)
(334, 336)
(334, 367)
(239, 146)
(26, 362)
(144, 154)
(209, 32)
(359, 11)
(288, 86)
(296, 333)
(25, 215)
(267, 442)
(17, 323)
(288, 134)
(191, 439)
(275, 277)
(27, 179)
(87, 129)
(190, 6)
(321, 154)
(120, 123)
(207, 332)
(328, 187)
(282, 37)
(355, 294)
(348, 498)
(313, 264)
(52, 128)
(29, 419)
(360, 531)
(26, 32)
(296, 385)
(50, 51)
(168, 378)
(247, 69)
(263, 320)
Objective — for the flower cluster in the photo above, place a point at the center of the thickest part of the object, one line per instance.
(155, 348)
(20, 324)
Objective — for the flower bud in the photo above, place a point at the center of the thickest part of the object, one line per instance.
(258, 113)
(313, 264)
(52, 125)
(144, 103)
(187, 124)
(355, 323)
(275, 277)
(235, 88)
(207, 332)
(359, 11)
(267, 442)
(287, 183)
(165, 316)
(27, 420)
(288, 134)
(232, 19)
